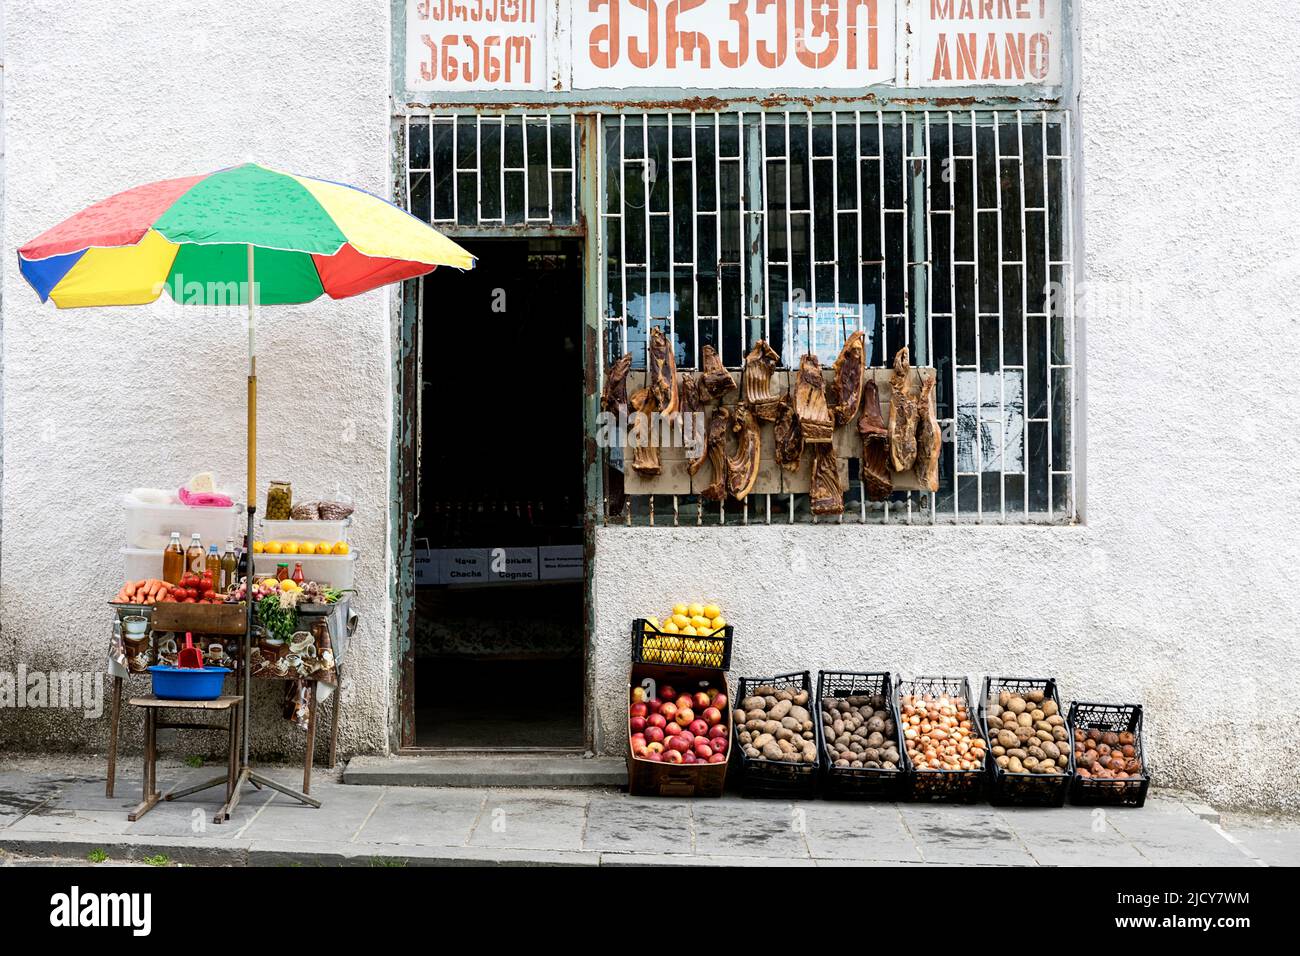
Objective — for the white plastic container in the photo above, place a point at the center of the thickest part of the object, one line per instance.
(142, 563)
(150, 526)
(335, 570)
(330, 531)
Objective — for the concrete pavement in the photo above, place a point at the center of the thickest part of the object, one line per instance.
(63, 813)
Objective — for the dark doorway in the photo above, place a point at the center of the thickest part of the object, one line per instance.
(499, 619)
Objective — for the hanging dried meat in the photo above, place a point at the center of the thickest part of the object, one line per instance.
(844, 394)
(826, 494)
(810, 403)
(690, 413)
(661, 376)
(928, 440)
(716, 453)
(614, 397)
(903, 414)
(876, 475)
(788, 435)
(714, 380)
(641, 435)
(760, 365)
(742, 467)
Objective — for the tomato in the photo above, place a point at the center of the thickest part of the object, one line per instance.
(190, 600)
(191, 593)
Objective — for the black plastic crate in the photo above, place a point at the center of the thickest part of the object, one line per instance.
(760, 777)
(1117, 719)
(1026, 789)
(856, 783)
(653, 646)
(955, 786)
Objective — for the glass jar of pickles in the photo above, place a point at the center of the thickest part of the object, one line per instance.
(279, 501)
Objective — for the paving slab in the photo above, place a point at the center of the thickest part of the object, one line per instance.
(1273, 845)
(858, 830)
(486, 771)
(738, 827)
(538, 819)
(645, 825)
(405, 817)
(974, 834)
(339, 818)
(1071, 836)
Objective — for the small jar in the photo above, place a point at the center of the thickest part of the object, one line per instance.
(279, 501)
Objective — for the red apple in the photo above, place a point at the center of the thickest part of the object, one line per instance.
(638, 710)
(672, 756)
(655, 755)
(654, 735)
(703, 750)
(669, 710)
(698, 727)
(712, 716)
(717, 730)
(684, 702)
(666, 693)
(719, 743)
(638, 750)
(637, 737)
(656, 720)
(637, 724)
(679, 744)
(652, 706)
(720, 702)
(700, 700)
(716, 758)
(689, 757)
(684, 716)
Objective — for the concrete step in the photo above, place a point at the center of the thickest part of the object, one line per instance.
(514, 770)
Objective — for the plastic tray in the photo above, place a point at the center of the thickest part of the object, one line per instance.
(149, 527)
(304, 530)
(956, 786)
(335, 570)
(1120, 718)
(1026, 789)
(856, 783)
(760, 777)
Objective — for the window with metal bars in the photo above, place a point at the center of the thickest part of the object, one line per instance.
(948, 232)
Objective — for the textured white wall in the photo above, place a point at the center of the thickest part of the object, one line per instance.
(1180, 590)
(105, 94)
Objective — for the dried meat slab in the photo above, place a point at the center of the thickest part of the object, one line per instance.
(788, 435)
(903, 415)
(614, 396)
(716, 453)
(810, 403)
(844, 394)
(742, 467)
(876, 473)
(826, 495)
(714, 380)
(641, 434)
(662, 374)
(760, 366)
(928, 439)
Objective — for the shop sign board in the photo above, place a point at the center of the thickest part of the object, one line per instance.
(486, 565)
(560, 562)
(467, 45)
(602, 49)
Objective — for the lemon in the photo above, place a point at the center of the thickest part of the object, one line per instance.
(289, 547)
(258, 547)
(689, 631)
(695, 610)
(323, 547)
(341, 547)
(652, 622)
(270, 583)
(711, 611)
(717, 624)
(699, 622)
(288, 584)
(680, 609)
(670, 627)
(273, 547)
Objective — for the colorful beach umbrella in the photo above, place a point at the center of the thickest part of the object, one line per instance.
(189, 237)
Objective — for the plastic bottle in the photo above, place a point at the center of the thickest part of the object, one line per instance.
(174, 560)
(298, 577)
(213, 568)
(229, 566)
(194, 563)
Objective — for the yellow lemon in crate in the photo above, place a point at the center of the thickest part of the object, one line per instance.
(700, 623)
(695, 610)
(681, 609)
(682, 621)
(717, 624)
(273, 547)
(689, 631)
(670, 627)
(651, 624)
(711, 611)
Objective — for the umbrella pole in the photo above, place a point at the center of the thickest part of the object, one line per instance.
(246, 772)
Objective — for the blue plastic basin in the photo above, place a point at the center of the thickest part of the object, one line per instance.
(188, 683)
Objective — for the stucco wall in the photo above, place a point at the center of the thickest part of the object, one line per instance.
(1180, 589)
(105, 94)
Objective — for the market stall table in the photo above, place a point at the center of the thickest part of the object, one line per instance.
(153, 707)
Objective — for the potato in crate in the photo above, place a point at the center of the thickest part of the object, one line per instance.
(775, 739)
(857, 735)
(1029, 748)
(1109, 760)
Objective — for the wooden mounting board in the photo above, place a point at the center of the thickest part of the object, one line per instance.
(675, 479)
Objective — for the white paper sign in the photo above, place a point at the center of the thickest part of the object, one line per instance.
(468, 45)
(560, 562)
(986, 42)
(721, 44)
(487, 565)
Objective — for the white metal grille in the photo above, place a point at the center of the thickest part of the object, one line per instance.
(948, 232)
(509, 170)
